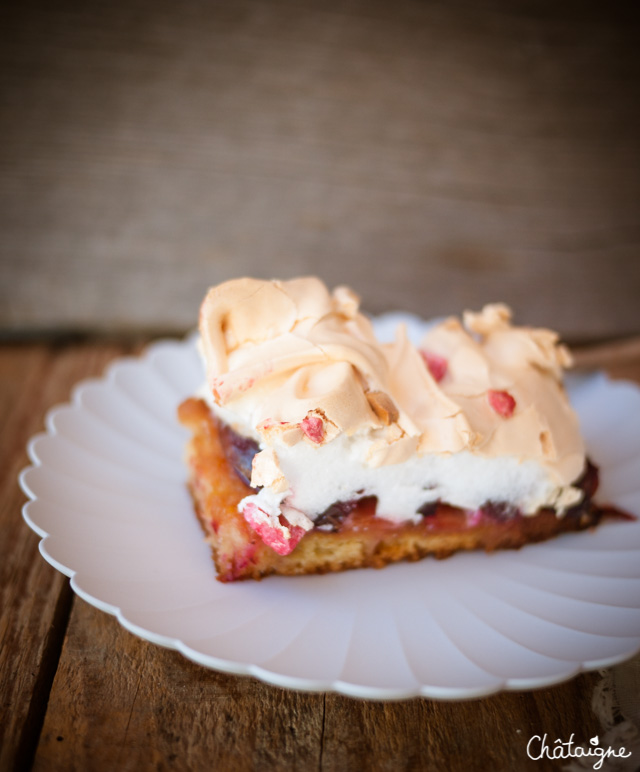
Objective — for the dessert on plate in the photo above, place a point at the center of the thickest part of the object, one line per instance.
(317, 448)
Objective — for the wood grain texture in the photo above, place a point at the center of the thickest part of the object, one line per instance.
(489, 734)
(435, 156)
(132, 705)
(619, 358)
(34, 598)
(81, 693)
(121, 703)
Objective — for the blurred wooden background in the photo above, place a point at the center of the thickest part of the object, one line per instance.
(434, 155)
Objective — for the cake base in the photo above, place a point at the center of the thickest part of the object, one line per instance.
(360, 539)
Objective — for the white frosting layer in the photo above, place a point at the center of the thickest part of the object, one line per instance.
(476, 414)
(339, 471)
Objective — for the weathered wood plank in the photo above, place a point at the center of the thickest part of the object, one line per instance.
(121, 703)
(449, 736)
(34, 598)
(435, 156)
(620, 359)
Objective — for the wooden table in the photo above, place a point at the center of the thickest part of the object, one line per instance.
(81, 693)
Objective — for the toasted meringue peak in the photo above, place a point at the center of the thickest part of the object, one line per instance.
(298, 365)
(291, 347)
(494, 316)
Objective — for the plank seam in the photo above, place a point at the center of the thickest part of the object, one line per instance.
(324, 713)
(52, 650)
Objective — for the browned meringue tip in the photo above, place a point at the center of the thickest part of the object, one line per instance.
(305, 365)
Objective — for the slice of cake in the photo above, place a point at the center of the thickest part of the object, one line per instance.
(317, 448)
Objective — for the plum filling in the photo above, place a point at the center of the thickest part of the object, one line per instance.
(502, 511)
(239, 451)
(436, 515)
(334, 516)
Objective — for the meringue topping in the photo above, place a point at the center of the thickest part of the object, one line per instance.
(298, 367)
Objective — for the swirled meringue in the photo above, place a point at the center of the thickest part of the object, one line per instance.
(339, 415)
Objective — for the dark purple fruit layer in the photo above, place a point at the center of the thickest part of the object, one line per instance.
(335, 514)
(240, 451)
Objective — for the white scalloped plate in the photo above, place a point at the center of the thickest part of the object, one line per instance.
(108, 498)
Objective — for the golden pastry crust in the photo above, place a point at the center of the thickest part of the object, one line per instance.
(361, 540)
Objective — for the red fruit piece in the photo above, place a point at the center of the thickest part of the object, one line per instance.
(273, 537)
(474, 517)
(502, 402)
(436, 364)
(245, 557)
(313, 427)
